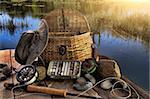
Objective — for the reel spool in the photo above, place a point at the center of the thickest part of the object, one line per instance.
(27, 74)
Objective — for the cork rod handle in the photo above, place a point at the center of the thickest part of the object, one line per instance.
(52, 91)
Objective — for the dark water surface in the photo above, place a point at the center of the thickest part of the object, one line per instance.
(131, 54)
(8, 38)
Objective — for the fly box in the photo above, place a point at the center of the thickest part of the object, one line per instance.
(64, 69)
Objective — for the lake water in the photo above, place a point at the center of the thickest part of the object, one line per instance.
(131, 54)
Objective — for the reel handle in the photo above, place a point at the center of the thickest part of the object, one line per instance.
(52, 91)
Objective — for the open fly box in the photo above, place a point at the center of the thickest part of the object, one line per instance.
(64, 69)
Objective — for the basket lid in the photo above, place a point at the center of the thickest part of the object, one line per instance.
(32, 44)
(67, 20)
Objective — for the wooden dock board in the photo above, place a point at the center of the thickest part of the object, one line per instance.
(65, 84)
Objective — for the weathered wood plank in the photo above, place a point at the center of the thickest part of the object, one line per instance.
(61, 84)
(7, 57)
(34, 96)
(5, 94)
(141, 92)
(67, 84)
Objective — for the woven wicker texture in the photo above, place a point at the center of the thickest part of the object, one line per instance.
(69, 36)
(62, 20)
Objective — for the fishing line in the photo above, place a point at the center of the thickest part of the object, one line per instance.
(111, 78)
(121, 97)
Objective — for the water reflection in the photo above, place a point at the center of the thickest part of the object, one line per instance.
(27, 8)
(129, 49)
(16, 18)
(131, 55)
(9, 39)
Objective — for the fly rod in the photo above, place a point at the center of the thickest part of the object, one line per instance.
(54, 91)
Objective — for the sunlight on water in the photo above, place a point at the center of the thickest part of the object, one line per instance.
(129, 46)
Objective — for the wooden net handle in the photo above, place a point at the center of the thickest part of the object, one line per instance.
(52, 91)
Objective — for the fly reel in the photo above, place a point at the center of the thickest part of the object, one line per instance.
(27, 74)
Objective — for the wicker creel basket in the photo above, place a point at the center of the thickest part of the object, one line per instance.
(69, 36)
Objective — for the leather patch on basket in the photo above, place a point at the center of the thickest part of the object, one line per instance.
(62, 50)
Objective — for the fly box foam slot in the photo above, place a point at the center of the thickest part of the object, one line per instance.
(64, 69)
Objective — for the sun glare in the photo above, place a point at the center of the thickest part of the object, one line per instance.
(134, 1)
(139, 0)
